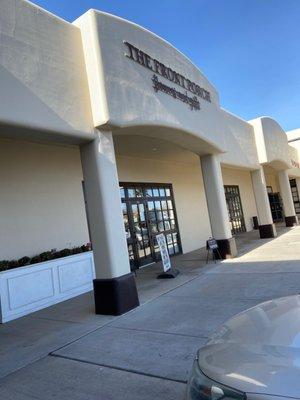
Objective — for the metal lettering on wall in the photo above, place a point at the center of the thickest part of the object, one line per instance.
(193, 102)
(159, 68)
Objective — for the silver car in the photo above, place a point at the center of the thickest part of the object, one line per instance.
(254, 355)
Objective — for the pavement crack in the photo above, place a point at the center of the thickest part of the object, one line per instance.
(160, 332)
(132, 371)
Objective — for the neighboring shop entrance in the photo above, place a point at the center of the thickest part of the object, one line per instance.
(295, 195)
(148, 209)
(275, 205)
(235, 209)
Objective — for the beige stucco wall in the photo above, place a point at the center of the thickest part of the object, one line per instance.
(190, 201)
(240, 142)
(42, 73)
(272, 180)
(294, 152)
(41, 199)
(271, 142)
(242, 178)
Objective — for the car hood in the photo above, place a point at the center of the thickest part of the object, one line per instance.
(258, 350)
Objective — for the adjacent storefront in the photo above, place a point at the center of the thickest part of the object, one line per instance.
(295, 195)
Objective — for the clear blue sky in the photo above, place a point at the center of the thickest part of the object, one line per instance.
(249, 49)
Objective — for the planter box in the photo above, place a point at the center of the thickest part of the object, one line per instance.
(27, 289)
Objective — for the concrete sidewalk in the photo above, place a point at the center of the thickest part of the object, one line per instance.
(66, 352)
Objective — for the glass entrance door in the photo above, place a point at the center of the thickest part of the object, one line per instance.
(147, 211)
(276, 207)
(235, 209)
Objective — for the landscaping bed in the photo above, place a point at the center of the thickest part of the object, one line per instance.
(36, 285)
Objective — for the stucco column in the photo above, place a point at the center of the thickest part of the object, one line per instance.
(114, 287)
(217, 207)
(266, 226)
(287, 198)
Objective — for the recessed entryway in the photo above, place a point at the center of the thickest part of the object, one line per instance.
(148, 210)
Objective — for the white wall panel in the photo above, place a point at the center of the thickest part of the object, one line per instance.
(34, 287)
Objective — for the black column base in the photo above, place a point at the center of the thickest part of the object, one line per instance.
(115, 296)
(267, 231)
(172, 273)
(227, 249)
(291, 221)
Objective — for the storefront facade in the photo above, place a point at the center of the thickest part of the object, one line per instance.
(109, 134)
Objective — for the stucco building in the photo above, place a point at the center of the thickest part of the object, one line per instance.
(109, 134)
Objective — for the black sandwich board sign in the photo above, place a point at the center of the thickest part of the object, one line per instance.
(211, 244)
(213, 247)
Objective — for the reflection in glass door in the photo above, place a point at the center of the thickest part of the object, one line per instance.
(148, 210)
(140, 231)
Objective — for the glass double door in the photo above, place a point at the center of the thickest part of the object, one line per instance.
(148, 211)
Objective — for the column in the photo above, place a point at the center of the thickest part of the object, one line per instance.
(287, 198)
(114, 287)
(266, 226)
(217, 207)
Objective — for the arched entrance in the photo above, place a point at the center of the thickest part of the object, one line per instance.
(162, 191)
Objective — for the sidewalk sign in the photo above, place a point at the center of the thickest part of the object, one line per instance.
(161, 241)
(212, 245)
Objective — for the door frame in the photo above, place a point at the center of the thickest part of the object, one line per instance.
(276, 207)
(151, 235)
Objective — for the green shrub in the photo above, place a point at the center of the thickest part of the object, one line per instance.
(13, 264)
(4, 265)
(64, 253)
(45, 256)
(24, 261)
(35, 260)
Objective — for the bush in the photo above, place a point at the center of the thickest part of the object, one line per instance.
(4, 265)
(45, 256)
(24, 261)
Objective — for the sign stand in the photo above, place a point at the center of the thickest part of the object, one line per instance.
(212, 246)
(169, 272)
